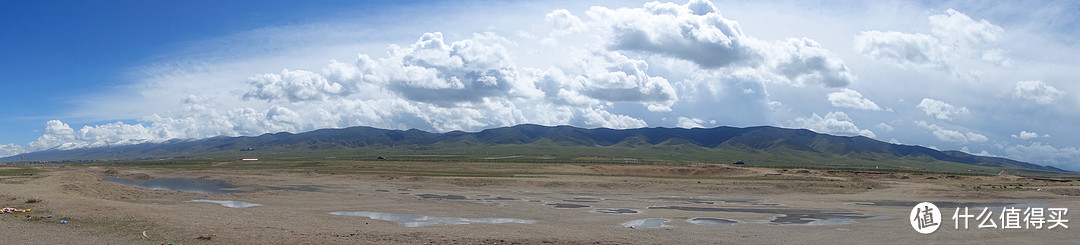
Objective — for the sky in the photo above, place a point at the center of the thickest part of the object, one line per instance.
(987, 78)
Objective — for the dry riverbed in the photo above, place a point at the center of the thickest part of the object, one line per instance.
(535, 204)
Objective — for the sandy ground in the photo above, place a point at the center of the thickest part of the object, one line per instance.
(103, 212)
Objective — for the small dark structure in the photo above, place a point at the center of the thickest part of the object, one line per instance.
(738, 163)
(381, 158)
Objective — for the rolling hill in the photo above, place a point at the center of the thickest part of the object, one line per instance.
(765, 146)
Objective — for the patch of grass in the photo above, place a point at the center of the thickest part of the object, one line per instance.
(18, 171)
(18, 175)
(274, 158)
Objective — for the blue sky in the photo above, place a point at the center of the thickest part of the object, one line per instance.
(989, 79)
(55, 51)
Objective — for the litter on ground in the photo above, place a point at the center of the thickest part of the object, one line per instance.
(13, 210)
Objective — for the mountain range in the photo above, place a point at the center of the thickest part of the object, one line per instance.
(763, 145)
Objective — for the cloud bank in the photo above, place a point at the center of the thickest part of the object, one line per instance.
(477, 82)
(955, 77)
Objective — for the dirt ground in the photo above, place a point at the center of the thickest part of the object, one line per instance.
(297, 206)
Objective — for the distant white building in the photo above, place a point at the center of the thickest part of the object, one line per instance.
(249, 159)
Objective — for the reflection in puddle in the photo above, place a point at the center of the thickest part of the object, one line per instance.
(413, 220)
(712, 221)
(567, 205)
(615, 211)
(787, 216)
(448, 197)
(231, 204)
(645, 223)
(181, 184)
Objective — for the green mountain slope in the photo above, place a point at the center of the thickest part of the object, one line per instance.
(764, 146)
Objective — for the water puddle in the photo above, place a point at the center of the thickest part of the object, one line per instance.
(712, 221)
(567, 205)
(500, 199)
(231, 204)
(645, 223)
(380, 190)
(414, 220)
(787, 216)
(181, 184)
(491, 203)
(447, 197)
(615, 211)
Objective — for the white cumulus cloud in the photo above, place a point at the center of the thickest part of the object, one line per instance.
(58, 135)
(849, 98)
(954, 136)
(293, 86)
(940, 109)
(698, 32)
(609, 77)
(564, 22)
(885, 127)
(1025, 135)
(1037, 91)
(606, 119)
(803, 61)
(11, 149)
(832, 123)
(957, 28)
(685, 122)
(904, 49)
(695, 31)
(429, 71)
(953, 36)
